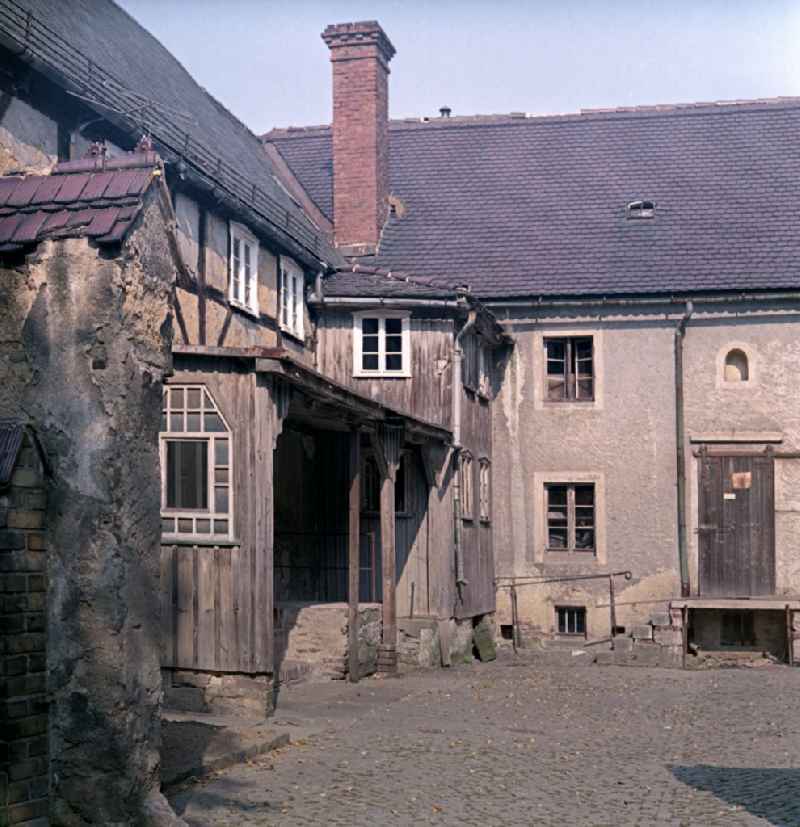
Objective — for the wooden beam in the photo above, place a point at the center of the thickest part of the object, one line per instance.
(354, 554)
(387, 657)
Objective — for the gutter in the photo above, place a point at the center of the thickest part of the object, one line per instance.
(680, 452)
(359, 301)
(540, 301)
(458, 358)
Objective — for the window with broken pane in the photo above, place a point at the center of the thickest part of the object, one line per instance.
(569, 369)
(570, 517)
(196, 463)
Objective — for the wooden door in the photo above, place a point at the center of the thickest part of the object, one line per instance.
(737, 526)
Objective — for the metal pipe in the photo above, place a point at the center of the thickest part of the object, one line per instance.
(612, 611)
(540, 580)
(389, 302)
(636, 302)
(514, 620)
(680, 449)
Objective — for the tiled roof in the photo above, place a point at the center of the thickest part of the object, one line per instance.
(361, 281)
(79, 198)
(98, 51)
(519, 205)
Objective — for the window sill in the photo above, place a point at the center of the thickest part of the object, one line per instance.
(558, 403)
(250, 311)
(566, 556)
(297, 337)
(403, 375)
(184, 540)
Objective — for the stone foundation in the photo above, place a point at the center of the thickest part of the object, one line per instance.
(419, 642)
(657, 643)
(240, 695)
(314, 636)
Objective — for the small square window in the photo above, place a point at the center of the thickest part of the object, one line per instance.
(381, 345)
(571, 620)
(569, 369)
(570, 517)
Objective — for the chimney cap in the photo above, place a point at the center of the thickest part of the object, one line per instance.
(360, 33)
(445, 111)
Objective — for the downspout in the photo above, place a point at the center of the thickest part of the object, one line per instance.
(680, 454)
(458, 359)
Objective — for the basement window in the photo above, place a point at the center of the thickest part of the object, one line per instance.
(243, 269)
(381, 344)
(571, 620)
(570, 517)
(570, 369)
(196, 466)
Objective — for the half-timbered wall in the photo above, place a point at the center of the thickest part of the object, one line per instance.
(426, 394)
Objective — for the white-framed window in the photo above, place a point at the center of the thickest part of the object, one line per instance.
(466, 486)
(381, 344)
(292, 297)
(484, 489)
(196, 452)
(243, 269)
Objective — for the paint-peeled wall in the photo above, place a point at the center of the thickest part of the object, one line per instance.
(85, 342)
(762, 411)
(623, 443)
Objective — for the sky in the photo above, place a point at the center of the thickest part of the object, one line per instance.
(266, 62)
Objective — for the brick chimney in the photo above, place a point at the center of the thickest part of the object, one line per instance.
(360, 54)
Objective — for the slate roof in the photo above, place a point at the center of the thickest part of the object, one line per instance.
(97, 50)
(367, 282)
(79, 198)
(519, 206)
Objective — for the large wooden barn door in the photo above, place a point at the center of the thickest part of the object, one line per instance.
(737, 526)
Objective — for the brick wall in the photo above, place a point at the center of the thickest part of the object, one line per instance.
(360, 55)
(24, 770)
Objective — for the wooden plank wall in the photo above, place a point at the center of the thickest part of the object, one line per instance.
(217, 606)
(426, 395)
(476, 436)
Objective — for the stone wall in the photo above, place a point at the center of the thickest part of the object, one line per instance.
(24, 769)
(656, 643)
(85, 341)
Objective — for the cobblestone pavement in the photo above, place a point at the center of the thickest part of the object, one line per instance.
(532, 744)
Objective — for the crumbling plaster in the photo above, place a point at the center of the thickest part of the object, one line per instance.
(630, 439)
(84, 345)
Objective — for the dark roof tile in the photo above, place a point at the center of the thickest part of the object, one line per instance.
(102, 204)
(536, 206)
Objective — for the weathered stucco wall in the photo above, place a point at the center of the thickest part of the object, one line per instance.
(84, 344)
(625, 443)
(768, 404)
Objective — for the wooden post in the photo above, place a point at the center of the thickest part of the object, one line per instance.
(387, 446)
(389, 607)
(354, 554)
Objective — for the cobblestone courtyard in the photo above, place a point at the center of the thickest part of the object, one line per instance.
(527, 743)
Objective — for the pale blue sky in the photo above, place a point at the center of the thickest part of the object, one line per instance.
(266, 62)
